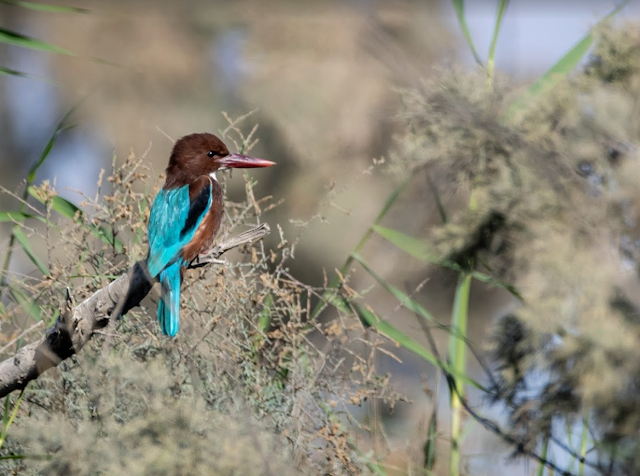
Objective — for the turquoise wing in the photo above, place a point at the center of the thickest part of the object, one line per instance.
(173, 222)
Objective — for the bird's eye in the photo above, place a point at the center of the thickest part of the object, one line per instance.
(211, 153)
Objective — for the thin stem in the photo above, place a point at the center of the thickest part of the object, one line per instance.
(458, 5)
(8, 419)
(12, 239)
(494, 41)
(545, 450)
(31, 177)
(583, 444)
(457, 354)
(335, 282)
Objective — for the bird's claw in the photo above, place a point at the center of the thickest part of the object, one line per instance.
(199, 262)
(219, 261)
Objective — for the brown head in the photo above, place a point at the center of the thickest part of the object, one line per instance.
(204, 154)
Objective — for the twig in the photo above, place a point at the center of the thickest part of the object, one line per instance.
(248, 236)
(77, 324)
(173, 141)
(21, 335)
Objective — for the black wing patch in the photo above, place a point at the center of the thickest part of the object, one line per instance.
(197, 208)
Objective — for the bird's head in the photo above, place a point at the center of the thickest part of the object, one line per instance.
(204, 154)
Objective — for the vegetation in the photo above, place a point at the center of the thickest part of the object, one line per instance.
(537, 195)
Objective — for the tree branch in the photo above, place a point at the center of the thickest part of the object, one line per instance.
(77, 324)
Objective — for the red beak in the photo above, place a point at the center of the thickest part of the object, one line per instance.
(239, 161)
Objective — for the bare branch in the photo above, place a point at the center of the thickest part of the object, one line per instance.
(248, 236)
(77, 324)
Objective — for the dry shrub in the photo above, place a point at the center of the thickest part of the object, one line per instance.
(130, 421)
(249, 386)
(553, 208)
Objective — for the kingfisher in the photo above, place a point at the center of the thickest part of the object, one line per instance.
(186, 215)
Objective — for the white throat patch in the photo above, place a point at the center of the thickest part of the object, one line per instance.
(213, 176)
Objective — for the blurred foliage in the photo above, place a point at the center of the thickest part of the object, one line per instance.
(124, 415)
(13, 38)
(554, 211)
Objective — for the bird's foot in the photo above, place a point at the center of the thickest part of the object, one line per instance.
(223, 262)
(202, 260)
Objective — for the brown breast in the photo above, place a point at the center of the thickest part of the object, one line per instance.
(205, 233)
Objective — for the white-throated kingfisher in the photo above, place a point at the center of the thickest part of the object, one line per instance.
(186, 215)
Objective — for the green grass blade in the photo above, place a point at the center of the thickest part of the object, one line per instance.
(569, 434)
(45, 152)
(36, 457)
(7, 423)
(43, 7)
(12, 72)
(458, 364)
(29, 305)
(335, 282)
(370, 319)
(389, 330)
(69, 210)
(53, 319)
(14, 216)
(485, 278)
(30, 178)
(6, 412)
(402, 297)
(468, 428)
(16, 39)
(457, 348)
(26, 246)
(458, 6)
(494, 40)
(545, 452)
(439, 203)
(64, 207)
(264, 318)
(406, 301)
(418, 249)
(553, 76)
(58, 204)
(561, 69)
(430, 444)
(60, 128)
(583, 444)
(393, 197)
(105, 235)
(413, 246)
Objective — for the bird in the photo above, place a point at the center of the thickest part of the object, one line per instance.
(186, 215)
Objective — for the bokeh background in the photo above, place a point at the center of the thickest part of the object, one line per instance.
(323, 77)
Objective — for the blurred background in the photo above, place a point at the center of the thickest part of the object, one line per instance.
(323, 77)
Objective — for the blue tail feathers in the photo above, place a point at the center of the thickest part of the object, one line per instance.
(169, 305)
